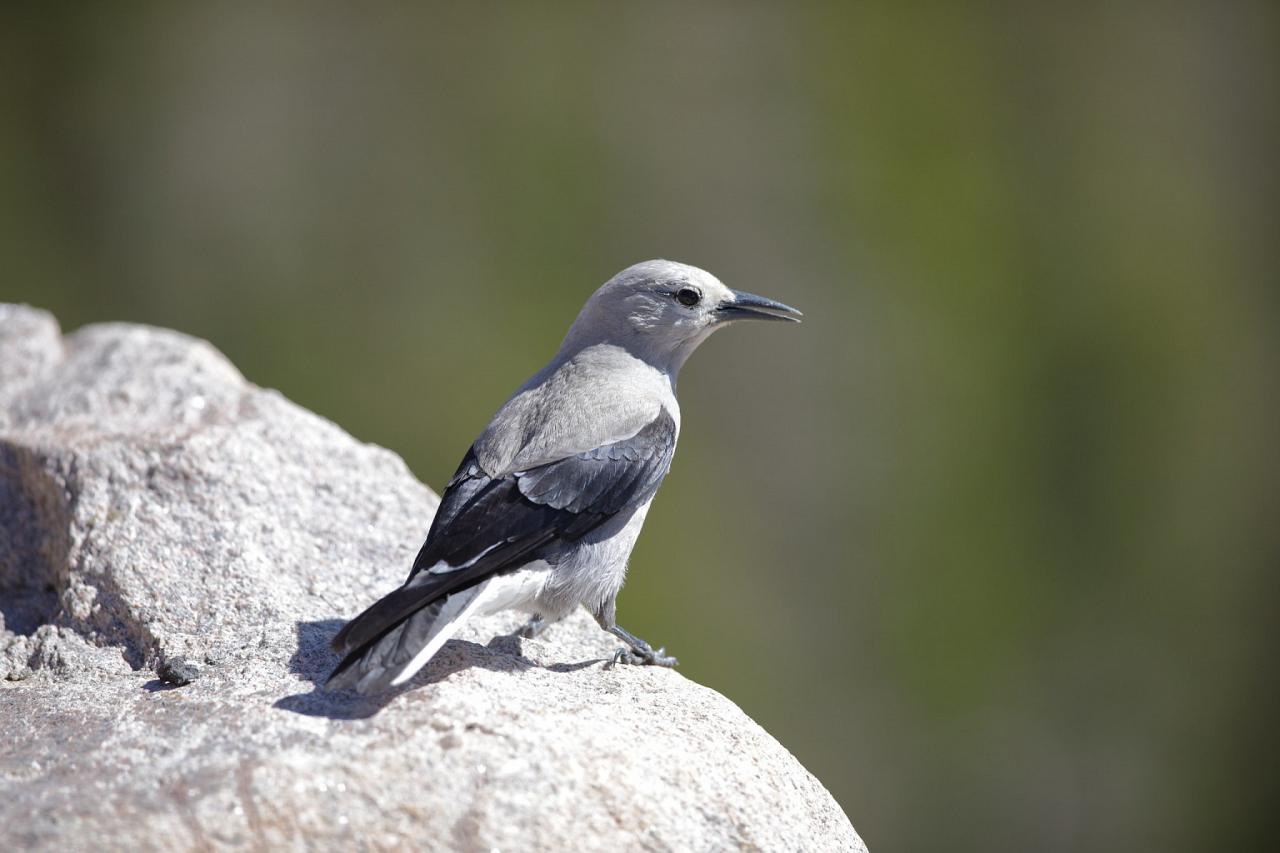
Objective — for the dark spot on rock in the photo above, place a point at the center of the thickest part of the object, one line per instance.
(178, 672)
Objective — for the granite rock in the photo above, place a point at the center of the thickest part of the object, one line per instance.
(158, 511)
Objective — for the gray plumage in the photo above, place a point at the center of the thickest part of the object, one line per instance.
(546, 506)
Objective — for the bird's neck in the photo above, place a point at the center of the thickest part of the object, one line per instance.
(660, 362)
(660, 355)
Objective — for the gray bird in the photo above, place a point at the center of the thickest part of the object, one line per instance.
(543, 512)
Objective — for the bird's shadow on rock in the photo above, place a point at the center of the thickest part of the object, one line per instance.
(314, 660)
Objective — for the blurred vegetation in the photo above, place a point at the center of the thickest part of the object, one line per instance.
(990, 542)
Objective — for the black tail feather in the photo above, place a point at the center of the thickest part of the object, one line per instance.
(383, 615)
(373, 665)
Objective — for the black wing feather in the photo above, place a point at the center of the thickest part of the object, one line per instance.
(488, 525)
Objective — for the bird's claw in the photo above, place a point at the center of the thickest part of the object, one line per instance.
(645, 656)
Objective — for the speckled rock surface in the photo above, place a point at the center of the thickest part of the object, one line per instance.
(157, 512)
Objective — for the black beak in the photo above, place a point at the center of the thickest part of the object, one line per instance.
(748, 306)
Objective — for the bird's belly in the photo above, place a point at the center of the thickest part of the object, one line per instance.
(590, 573)
(594, 570)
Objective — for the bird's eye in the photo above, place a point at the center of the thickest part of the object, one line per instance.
(688, 297)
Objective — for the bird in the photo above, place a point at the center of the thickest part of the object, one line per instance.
(544, 510)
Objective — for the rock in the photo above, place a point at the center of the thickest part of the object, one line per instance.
(177, 672)
(155, 509)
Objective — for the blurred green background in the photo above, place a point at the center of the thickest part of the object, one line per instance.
(990, 542)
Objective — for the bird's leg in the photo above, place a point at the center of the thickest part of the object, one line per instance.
(640, 653)
(535, 626)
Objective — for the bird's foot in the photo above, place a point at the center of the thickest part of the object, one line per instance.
(639, 652)
(634, 657)
(532, 628)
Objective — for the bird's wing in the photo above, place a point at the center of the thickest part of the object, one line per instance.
(490, 525)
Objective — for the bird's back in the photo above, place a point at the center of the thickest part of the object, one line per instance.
(587, 399)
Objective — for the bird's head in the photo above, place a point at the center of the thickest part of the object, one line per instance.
(661, 311)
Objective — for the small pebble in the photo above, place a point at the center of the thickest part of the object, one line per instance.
(178, 672)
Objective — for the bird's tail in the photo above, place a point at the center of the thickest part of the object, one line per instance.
(385, 645)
